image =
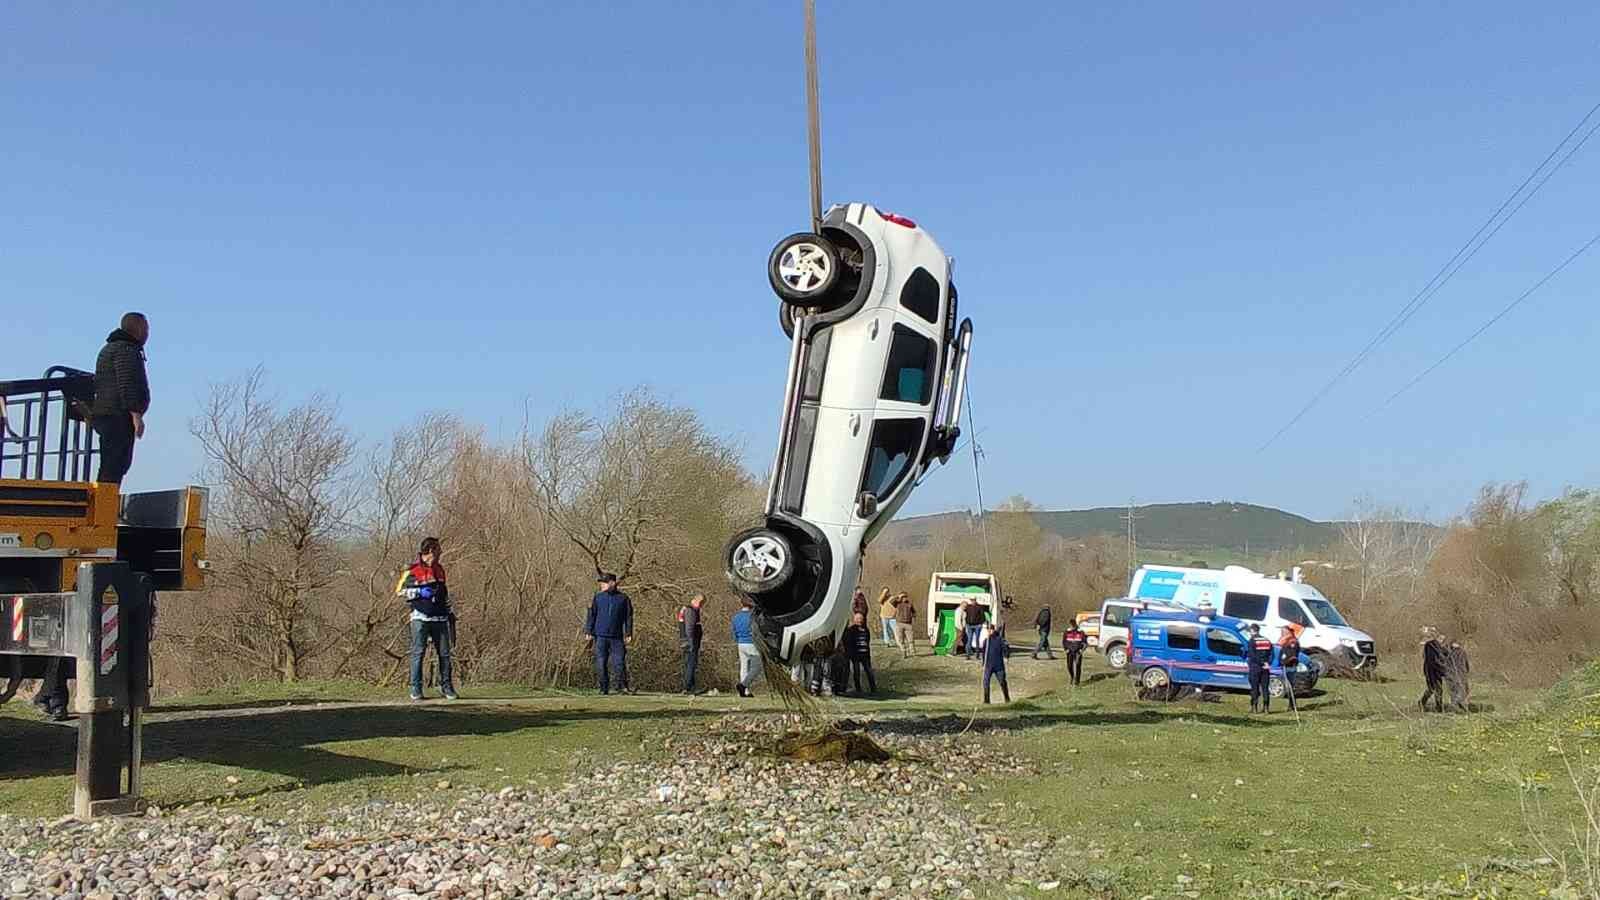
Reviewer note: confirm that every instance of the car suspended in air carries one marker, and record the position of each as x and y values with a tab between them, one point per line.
877	373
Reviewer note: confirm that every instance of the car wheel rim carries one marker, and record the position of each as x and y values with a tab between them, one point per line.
805	267
759	558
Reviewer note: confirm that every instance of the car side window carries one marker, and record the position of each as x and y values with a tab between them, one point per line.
1245	606
1223	643
909	376
921	295
1183	637
890	455
1289	610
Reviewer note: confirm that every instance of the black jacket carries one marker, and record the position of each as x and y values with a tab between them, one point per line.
1432	661
120	384
690	631
857	642
1258	654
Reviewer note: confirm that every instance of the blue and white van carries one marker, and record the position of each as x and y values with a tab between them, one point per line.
1272	603
1168	649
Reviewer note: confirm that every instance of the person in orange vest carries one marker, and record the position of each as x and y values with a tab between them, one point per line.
1258	658
1289	659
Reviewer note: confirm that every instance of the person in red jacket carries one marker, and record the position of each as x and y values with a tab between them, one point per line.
422	585
1073	640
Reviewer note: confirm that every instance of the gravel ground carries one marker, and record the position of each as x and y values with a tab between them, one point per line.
719	816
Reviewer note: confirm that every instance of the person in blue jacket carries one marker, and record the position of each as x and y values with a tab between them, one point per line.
744	638
609	629
994	660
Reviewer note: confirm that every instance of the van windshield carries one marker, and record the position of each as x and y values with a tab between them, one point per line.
1324	611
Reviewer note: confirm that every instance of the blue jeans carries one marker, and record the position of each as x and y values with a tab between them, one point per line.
974	632
610	660
439	632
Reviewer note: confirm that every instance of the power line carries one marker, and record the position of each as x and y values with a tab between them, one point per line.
1459	259
1489	324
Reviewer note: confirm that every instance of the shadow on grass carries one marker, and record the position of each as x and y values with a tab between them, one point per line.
1092	717
285	741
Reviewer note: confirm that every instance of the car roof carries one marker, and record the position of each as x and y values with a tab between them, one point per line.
1193	617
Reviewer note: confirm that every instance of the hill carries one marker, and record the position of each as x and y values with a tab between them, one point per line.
1197	528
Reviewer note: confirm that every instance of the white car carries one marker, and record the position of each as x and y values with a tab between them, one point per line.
877	370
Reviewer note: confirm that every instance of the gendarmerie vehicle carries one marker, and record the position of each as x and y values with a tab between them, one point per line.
877	374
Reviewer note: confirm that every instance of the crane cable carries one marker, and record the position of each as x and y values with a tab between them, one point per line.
813	116
977	479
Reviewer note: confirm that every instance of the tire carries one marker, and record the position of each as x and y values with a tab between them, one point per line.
1155	684
759	560
1117	656
788	316
803	269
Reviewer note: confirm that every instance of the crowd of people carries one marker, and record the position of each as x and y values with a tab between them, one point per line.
846	667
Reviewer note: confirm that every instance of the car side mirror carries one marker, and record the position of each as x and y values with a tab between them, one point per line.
866	505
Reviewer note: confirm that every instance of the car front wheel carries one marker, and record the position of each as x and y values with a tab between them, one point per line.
803	269
759	560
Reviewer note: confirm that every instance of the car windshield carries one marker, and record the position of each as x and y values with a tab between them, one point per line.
1324	611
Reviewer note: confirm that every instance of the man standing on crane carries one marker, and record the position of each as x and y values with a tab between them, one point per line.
121	396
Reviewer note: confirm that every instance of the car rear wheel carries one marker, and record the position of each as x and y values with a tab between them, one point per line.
1117	656
803	269
759	560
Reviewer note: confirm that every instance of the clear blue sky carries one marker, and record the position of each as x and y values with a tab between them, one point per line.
1171	222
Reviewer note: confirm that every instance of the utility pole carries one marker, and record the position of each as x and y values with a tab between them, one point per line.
1133	542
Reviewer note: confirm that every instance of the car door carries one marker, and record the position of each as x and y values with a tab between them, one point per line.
1225	654
1184	648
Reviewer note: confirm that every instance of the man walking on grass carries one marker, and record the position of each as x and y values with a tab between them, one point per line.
1042	622
744	639
1073	640
690	634
994	652
1433	671
609	629
905	615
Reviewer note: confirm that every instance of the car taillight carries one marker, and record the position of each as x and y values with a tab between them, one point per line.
898	220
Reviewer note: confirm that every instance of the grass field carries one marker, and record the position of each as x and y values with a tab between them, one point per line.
1358	795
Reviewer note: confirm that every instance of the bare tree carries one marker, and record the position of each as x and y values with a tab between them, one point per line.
283	494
